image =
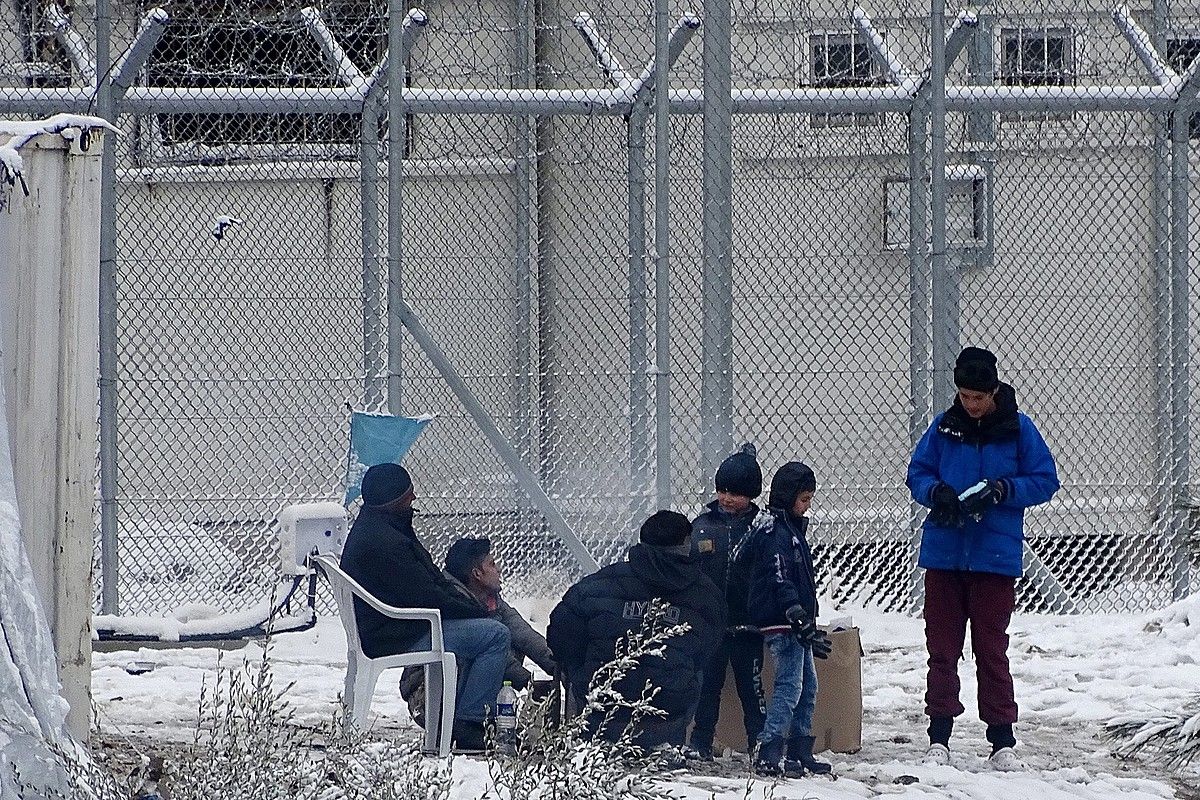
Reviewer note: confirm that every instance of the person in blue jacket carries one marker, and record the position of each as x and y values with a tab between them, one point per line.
978	467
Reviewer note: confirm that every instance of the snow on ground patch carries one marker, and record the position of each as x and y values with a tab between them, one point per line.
1072	675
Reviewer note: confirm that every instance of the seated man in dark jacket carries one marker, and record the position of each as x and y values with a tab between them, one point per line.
472	569
382	553
609	604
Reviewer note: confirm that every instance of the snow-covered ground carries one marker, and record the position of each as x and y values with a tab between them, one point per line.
1072	674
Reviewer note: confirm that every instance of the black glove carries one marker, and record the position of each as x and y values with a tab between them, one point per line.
946	511
979	500
821	646
802	622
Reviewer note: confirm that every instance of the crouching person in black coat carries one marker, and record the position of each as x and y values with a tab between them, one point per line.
611	603
383	554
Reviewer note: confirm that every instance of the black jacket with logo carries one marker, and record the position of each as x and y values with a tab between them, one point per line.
714	534
608	604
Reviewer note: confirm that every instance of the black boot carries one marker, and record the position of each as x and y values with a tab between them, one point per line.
800	749
766	760
1000	737
700	749
940	729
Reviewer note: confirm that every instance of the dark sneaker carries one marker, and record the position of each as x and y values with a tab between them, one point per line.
698	753
793	769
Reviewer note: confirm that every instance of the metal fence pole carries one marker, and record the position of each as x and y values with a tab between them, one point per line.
639	356
920	376
523	257
374	321
716	285
1180	347
662	248
944	280
1160	212
395	203
110	601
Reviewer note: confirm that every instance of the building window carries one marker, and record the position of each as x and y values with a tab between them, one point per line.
842	60
1037	57
966	209
212	44
1180	54
44	61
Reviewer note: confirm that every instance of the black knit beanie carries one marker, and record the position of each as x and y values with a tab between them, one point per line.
666	529
740	474
465	555
975	369
385	483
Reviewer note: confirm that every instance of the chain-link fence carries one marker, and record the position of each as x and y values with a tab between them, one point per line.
859	206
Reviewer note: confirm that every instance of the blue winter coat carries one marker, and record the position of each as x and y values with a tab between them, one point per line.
1016	452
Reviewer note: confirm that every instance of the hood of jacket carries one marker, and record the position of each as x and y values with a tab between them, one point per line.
787	484
665	572
999	426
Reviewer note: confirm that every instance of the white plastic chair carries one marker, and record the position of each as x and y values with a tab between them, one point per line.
362	672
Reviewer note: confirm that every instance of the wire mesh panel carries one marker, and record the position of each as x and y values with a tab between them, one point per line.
284	250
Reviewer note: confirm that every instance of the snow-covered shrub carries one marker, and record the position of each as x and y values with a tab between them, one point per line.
1170	738
558	758
247	743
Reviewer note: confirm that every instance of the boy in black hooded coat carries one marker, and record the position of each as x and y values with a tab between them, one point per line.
783	604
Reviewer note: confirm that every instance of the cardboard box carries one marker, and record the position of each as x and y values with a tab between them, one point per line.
837	722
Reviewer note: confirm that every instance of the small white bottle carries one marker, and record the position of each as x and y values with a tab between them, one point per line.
506	720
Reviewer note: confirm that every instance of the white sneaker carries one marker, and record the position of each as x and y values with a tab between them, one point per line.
1006	760
938	755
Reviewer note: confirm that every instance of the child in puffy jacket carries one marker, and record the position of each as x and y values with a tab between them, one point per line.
783	604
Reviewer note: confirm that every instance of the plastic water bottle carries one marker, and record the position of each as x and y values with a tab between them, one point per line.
506	720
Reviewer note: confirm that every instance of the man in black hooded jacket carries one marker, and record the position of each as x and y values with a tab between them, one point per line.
609	604
383	554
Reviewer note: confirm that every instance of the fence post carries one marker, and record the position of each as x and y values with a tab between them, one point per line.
523	256
639	355
716	268
395	204
110	601
49	275
662	252
944	276
920	375
1180	342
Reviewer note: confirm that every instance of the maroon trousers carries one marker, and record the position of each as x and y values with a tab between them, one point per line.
985	600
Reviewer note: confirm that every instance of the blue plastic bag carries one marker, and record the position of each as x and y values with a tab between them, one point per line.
377	439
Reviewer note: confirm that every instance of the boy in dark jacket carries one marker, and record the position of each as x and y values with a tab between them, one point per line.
609	604
715	533
783	604
383	554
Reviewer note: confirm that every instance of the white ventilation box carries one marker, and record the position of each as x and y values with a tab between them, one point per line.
306	528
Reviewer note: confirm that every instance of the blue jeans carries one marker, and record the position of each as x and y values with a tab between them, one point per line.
790	711
480	647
